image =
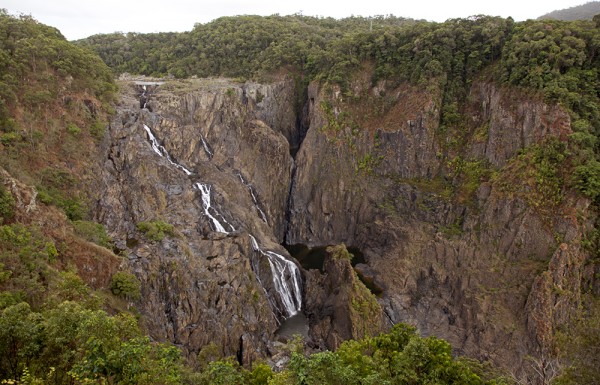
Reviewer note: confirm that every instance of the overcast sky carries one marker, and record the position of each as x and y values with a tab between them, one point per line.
81	18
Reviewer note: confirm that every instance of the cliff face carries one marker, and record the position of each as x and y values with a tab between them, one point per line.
482	269
198	285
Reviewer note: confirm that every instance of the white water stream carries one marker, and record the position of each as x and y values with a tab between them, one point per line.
254	198
206	148
202	187
285	273
206	205
286	279
160	150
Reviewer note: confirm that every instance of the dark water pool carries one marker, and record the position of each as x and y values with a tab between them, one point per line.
297	324
313	258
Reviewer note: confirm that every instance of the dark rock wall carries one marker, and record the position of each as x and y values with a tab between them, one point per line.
198	286
482	272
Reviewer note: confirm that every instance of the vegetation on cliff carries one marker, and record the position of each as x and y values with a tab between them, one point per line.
555	59
400	356
54	99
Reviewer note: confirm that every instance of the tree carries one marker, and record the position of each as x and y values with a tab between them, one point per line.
125	285
21	335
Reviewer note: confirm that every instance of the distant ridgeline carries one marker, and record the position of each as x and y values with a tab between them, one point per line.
585	11
54	99
557	59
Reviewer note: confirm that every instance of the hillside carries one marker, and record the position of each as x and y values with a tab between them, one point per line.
341	179
585	11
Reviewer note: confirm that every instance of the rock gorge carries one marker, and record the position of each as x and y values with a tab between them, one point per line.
488	269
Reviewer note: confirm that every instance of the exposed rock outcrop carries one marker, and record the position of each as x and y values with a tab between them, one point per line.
339	306
480	269
198	286
461	269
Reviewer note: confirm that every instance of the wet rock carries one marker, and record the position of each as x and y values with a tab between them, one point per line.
198	285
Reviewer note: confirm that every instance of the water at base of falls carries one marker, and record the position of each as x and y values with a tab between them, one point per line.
295	325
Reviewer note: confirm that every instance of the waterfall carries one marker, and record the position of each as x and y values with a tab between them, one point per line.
160	150
254	198
202	187
206	148
205	191
144	97
286	279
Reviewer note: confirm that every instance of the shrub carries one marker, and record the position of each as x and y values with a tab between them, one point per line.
587	179
9	138
97	129
73	129
156	230
92	232
7	205
125	285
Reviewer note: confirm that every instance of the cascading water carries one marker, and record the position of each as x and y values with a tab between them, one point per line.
254	198
160	150
144	97
286	280
206	148
285	274
205	191
203	188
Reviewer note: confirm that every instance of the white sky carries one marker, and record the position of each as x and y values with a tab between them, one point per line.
81	18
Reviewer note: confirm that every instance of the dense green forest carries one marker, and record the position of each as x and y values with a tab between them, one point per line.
558	60
55	97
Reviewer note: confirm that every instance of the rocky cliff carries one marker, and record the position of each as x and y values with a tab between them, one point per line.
486	262
480	267
198	285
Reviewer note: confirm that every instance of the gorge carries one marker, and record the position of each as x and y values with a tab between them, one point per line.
473	269
378	186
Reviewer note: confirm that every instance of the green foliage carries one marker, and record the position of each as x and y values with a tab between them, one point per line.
339	252
51	91
57	187
7	205
20	338
72	129
92	232
579	346
368	163
75	344
223	373
156	230
97	128
125	285
260	375
27	253
9	138
561	61
398	357
537	175
587	179
70	287
322	48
